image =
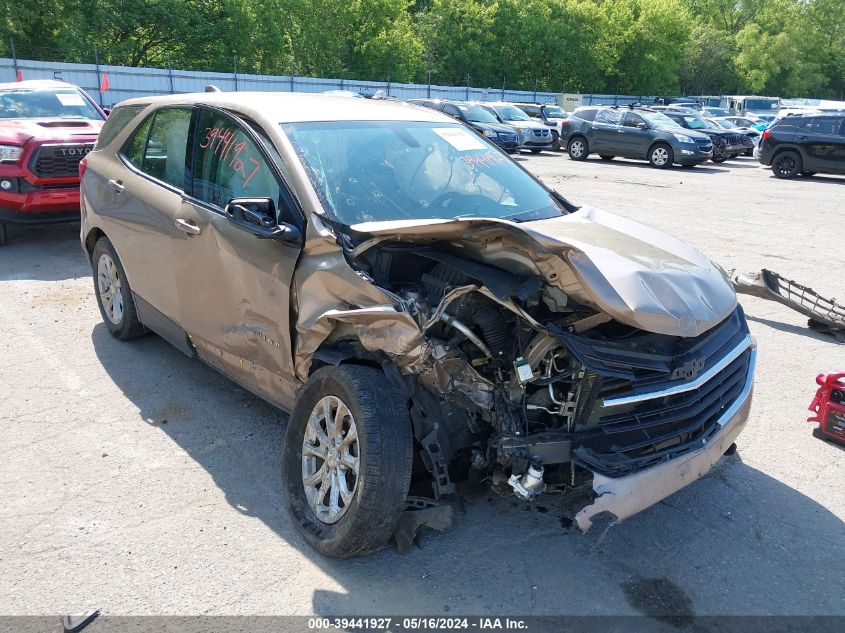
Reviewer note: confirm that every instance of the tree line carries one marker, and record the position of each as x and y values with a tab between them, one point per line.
793	48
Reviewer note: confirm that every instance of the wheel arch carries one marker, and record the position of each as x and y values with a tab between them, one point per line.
655	142
91	240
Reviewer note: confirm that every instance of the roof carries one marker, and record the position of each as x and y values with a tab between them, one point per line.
36	84
287	107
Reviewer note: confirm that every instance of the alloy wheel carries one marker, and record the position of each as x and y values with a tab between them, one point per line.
330	459
576	148
659	156
109	288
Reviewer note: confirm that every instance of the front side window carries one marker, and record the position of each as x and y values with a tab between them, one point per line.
370	171
632	120
167	146
228	164
54	103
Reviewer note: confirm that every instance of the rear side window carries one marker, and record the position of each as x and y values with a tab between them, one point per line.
585	115
117	121
134	151
826	125
607	116
228	164
159	146
794	123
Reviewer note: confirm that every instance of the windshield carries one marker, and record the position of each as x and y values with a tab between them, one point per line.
477	114
511	113
657	120
46	104
554	112
694	122
724	123
761	104
370	171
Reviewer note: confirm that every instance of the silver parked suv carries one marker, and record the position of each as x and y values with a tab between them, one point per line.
426	310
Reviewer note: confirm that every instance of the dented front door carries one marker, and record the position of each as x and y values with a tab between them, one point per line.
235	287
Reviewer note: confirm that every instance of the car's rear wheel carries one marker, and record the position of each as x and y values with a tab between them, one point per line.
555	141
689	165
787	164
114	296
536	151
578	148
661	156
606	156
347	460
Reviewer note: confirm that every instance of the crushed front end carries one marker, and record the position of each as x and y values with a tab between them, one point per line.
519	373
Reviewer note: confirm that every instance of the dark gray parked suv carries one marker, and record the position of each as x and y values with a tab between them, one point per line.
635	133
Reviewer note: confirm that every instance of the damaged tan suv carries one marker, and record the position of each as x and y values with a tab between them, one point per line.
426	310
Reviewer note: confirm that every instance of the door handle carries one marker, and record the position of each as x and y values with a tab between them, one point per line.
116	186
187	227
802	138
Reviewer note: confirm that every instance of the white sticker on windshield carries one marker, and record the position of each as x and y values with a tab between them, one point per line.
462	140
70	99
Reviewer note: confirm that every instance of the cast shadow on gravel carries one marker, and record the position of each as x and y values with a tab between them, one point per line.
718	546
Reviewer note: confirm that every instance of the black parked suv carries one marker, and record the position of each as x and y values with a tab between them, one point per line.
476	118
805	144
635	132
726	144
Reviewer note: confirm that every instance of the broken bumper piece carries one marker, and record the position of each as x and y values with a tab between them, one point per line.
623	497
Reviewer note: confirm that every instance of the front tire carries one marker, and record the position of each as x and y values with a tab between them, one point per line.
555	141
661	156
606	156
787	165
578	148
114	296
347	460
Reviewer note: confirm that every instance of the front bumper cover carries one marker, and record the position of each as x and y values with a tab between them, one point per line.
624	497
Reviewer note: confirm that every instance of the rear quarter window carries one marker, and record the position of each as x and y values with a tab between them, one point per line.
115	123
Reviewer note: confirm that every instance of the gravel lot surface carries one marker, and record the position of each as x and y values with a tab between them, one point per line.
141	482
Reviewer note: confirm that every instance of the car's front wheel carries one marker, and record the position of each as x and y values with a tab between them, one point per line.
114	296
577	148
347	460
661	156
787	165
555	141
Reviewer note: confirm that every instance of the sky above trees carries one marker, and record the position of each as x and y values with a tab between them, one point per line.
791	48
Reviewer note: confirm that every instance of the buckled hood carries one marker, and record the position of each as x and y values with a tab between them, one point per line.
636	274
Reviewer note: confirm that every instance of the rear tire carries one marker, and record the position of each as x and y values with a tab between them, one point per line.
787	164
606	156
536	151
578	148
373	498
114	296
661	156
555	141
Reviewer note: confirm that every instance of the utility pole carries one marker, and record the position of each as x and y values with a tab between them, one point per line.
14	56
170	75
503	88
429	84
467	87
235	66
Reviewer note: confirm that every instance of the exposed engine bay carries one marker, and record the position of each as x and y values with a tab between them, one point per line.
533	390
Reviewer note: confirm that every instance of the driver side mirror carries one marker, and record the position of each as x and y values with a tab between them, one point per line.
642	126
258	216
